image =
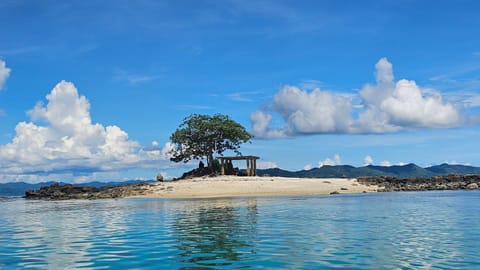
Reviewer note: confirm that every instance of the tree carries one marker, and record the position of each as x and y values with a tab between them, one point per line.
200	136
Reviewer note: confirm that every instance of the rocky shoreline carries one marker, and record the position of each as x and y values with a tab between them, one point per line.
69	191
446	182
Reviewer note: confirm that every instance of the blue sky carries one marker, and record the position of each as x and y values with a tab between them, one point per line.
92	90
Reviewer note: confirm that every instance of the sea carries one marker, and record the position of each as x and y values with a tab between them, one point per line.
405	230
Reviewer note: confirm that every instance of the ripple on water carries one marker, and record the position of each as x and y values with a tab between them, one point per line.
392	231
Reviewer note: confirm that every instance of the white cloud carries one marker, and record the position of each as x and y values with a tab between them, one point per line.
368	160
393	106
4	73
313	112
304	113
384	71
387	106
454	162
260	126
307	167
385	163
62	139
154	151
330	162
266	165
408	106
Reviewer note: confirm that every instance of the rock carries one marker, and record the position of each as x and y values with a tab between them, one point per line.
472	186
68	191
343	188
159	177
334	192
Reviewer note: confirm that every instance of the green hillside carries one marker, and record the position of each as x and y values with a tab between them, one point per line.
346	171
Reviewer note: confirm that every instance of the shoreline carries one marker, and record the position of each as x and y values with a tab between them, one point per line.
256	186
248	186
208	187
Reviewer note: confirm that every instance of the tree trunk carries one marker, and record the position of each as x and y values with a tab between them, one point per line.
210	161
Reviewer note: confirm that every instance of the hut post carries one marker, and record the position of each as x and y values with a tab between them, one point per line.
222	166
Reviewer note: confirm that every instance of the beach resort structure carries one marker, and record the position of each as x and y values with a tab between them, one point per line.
227	167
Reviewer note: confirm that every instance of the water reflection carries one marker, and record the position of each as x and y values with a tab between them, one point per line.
392	231
216	233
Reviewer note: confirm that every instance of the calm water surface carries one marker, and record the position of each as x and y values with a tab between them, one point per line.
364	231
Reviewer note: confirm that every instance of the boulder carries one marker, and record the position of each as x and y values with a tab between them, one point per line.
472	186
159	177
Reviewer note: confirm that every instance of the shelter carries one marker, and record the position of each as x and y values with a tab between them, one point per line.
226	164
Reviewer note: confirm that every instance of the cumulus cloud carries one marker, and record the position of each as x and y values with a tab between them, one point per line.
330	161
266	165
304	113
408	106
307	167
313	112
368	160
386	163
394	106
4	73
61	138
261	126
387	106
154	150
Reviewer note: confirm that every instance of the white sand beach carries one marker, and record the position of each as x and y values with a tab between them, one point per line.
234	186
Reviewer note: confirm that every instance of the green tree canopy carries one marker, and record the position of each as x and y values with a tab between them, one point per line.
203	136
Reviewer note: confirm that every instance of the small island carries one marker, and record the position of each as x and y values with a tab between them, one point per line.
204	137
246	186
209	187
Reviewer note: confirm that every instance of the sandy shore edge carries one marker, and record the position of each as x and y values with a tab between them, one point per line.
234	186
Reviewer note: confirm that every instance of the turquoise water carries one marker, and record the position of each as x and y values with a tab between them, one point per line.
439	230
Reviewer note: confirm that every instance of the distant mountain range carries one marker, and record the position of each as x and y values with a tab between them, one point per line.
409	170
19	188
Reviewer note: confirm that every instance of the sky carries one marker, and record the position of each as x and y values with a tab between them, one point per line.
92	90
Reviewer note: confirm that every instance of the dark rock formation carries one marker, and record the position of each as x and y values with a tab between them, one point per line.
199	172
446	182
69	191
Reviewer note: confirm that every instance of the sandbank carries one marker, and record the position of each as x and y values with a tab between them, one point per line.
235	186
